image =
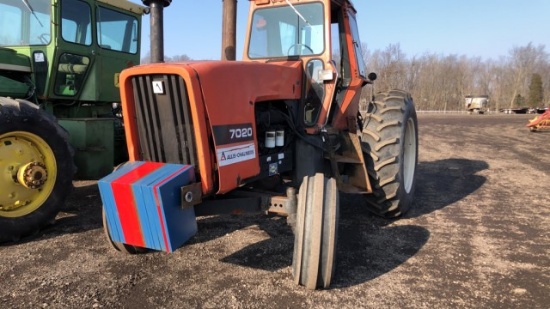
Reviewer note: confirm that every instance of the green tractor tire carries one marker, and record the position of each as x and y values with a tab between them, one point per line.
36	168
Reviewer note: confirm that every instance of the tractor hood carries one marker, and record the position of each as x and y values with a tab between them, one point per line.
230	92
230	89
14	68
11	61
217	96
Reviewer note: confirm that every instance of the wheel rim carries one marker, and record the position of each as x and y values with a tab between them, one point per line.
409	155
28	173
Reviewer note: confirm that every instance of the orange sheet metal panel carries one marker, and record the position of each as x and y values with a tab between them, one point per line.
198	113
222	96
230	90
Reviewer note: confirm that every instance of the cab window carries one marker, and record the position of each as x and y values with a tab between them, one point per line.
287	31
24	22
117	31
76	22
357	46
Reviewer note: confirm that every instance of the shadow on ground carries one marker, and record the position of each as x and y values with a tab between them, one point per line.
80	213
367	252
368	246
443	182
270	254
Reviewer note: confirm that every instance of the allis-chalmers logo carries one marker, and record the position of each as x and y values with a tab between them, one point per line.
158	87
232	155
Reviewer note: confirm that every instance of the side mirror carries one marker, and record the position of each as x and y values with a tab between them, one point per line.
372	76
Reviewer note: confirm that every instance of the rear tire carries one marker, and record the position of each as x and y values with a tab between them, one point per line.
314	257
34	148
390	145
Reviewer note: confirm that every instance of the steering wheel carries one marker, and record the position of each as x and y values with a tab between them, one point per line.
299	44
44	38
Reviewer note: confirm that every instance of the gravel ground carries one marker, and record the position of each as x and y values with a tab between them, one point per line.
476	237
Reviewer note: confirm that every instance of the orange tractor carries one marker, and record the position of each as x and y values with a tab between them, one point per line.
279	132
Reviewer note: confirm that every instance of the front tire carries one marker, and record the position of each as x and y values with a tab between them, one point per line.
36	168
390	145
124	248
314	258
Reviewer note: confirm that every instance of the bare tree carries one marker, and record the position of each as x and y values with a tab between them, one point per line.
440	82
178	58
523	62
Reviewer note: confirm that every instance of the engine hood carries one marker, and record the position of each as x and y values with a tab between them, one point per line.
221	95
14	68
12	61
231	88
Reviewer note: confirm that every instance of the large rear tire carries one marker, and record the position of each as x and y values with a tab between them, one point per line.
390	145
36	168
314	257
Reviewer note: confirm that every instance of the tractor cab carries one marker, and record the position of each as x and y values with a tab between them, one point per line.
60	58
324	36
66	51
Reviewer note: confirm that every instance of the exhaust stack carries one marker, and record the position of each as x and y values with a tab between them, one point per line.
157	28
229	30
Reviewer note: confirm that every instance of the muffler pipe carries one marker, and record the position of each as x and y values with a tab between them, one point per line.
157	28
229	30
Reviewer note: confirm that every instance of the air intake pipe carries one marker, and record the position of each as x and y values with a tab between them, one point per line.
157	28
229	29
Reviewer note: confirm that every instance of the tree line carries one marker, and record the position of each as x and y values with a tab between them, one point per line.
441	82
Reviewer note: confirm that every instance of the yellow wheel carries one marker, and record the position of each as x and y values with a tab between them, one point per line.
29	173
36	168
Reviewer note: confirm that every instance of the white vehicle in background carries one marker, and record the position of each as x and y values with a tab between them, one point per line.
476	104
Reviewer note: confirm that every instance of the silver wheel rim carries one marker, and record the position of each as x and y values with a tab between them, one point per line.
409	155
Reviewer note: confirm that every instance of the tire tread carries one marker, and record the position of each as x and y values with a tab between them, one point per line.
382	143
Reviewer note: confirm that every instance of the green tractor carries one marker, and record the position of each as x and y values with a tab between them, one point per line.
59	118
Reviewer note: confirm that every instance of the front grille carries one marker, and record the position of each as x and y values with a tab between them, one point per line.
164	122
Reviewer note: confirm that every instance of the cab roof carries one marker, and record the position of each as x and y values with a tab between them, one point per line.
126	5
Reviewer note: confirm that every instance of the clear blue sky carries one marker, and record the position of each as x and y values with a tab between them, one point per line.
475	28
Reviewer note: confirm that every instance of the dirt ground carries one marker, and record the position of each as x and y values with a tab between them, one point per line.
478	236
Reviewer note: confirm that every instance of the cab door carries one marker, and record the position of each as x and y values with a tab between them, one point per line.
74	52
351	68
118	48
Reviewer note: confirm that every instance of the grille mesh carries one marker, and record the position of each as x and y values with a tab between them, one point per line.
164	122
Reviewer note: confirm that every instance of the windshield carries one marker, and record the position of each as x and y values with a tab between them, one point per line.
287	31
24	22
